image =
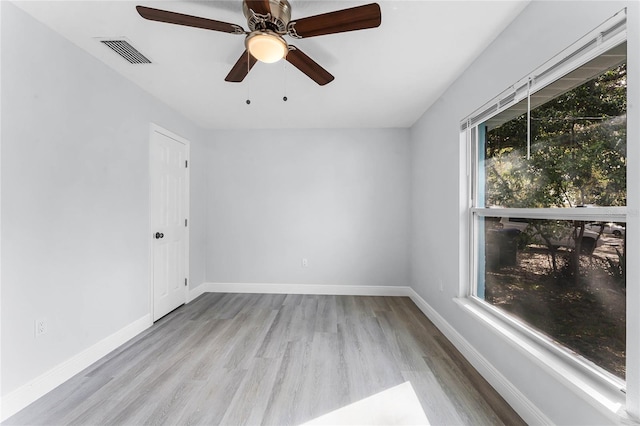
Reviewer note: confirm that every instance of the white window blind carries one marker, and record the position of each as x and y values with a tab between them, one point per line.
604	48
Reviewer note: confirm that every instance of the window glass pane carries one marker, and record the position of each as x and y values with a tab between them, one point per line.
577	146
564	278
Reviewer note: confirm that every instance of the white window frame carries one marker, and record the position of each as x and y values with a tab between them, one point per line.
614	397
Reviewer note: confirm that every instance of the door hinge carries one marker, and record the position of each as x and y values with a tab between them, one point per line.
185	281
186	163
185	222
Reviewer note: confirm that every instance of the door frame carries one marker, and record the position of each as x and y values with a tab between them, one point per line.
154	128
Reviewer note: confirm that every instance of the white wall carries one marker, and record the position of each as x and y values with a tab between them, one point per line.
339	198
540	32
74	198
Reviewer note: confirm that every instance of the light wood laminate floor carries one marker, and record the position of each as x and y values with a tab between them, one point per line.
237	359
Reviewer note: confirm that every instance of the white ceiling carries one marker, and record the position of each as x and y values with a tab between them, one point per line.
384	77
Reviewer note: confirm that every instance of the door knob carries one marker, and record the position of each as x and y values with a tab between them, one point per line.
159	235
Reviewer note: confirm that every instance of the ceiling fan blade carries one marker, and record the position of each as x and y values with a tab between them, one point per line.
241	68
259	6
298	59
188	20
340	21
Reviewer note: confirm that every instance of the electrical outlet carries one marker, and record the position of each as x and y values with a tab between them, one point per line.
441	285
305	262
41	326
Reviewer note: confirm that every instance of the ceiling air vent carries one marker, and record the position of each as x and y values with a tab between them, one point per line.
127	51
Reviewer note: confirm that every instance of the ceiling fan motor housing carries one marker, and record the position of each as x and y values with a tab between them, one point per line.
276	21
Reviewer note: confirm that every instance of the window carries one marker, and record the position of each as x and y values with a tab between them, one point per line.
548	196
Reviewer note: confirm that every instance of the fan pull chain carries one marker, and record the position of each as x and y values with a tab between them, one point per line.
248	80
284	73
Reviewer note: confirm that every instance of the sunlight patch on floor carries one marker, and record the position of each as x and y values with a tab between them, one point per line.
398	405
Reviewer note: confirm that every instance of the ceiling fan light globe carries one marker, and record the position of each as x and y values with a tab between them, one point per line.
266	46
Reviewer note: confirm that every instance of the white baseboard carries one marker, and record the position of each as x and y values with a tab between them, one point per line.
194	293
529	412
31	391
328	289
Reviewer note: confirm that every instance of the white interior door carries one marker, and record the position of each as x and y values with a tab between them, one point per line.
169	211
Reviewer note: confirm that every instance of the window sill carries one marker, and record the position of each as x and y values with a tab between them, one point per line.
596	388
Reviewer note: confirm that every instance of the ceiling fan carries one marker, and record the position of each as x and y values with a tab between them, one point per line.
268	22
